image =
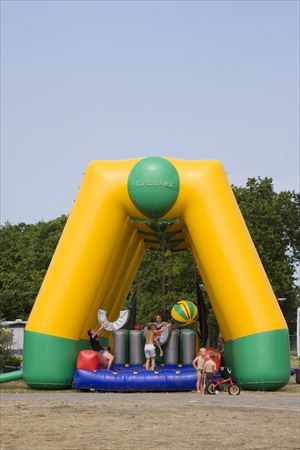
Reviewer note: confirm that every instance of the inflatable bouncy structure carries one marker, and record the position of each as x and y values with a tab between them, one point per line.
124	207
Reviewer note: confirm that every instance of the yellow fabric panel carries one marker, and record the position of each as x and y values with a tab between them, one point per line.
120	289
80	259
127	282
216	306
115	261
178	317
116	286
112	279
236	280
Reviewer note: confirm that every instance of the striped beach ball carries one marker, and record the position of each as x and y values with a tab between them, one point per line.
184	312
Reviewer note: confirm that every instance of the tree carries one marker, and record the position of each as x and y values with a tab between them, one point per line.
25	254
273	220
163	278
5	343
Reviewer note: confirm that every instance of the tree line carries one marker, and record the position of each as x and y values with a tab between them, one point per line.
273	220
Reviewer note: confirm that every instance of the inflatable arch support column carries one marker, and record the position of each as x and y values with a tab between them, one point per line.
115	199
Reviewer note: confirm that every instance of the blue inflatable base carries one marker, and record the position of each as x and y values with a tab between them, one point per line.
137	379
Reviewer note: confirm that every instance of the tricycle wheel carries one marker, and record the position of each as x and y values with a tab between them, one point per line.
234	389
211	388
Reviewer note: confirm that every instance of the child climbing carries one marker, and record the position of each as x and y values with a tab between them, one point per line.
94	336
159	325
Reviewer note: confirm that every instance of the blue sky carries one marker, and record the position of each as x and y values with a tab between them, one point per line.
114	80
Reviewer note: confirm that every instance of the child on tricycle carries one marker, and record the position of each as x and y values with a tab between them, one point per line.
222	379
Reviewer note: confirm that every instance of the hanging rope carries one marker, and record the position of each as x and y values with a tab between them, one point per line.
202	316
202	311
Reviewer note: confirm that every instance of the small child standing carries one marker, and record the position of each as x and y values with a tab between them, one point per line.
209	368
198	364
149	348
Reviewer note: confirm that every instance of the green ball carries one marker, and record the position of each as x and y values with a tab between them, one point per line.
184	312
153	186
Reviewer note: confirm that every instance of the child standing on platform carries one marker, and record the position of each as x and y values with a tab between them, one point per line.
149	348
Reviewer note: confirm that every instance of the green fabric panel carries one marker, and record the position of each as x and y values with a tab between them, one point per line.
260	361
49	361
104	341
181	311
84	344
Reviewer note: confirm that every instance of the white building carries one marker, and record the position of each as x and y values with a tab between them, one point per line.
17	329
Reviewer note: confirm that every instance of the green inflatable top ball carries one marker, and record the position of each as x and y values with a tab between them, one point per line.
153	186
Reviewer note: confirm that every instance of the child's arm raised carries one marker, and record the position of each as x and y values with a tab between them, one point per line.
99	331
162	329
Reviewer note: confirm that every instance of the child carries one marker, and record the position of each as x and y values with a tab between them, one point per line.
109	357
159	324
94	336
198	364
209	368
149	348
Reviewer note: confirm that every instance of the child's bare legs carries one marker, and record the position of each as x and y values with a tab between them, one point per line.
159	346
109	357
198	384
147	363
152	363
202	383
110	361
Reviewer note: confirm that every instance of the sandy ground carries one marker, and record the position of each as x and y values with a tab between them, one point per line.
73	420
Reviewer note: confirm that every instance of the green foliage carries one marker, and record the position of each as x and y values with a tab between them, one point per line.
25	254
6	356
13	360
162	280
273	220
5	342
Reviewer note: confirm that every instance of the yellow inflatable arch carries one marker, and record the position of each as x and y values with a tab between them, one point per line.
120	207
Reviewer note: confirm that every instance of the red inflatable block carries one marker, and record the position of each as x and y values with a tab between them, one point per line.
91	360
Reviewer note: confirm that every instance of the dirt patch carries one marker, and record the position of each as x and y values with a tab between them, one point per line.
73	421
